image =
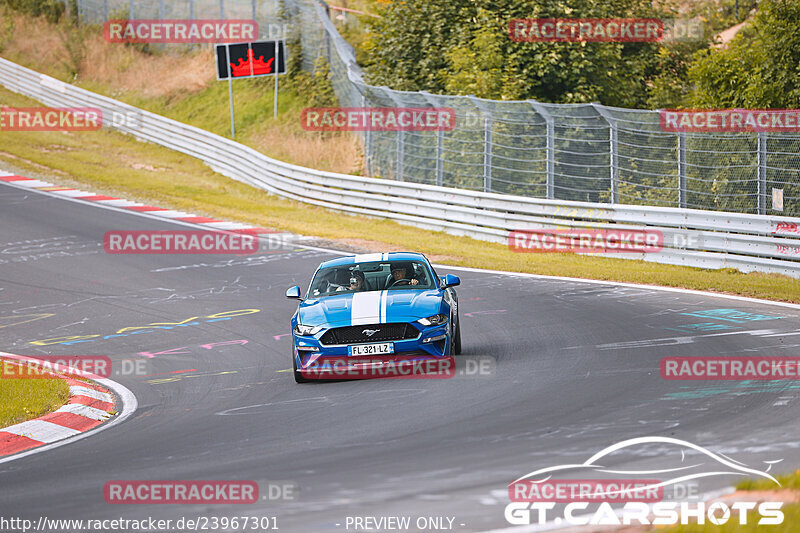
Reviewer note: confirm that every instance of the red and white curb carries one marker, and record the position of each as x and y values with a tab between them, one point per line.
88	407
120	203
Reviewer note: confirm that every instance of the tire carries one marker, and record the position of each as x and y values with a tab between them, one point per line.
457	338
298	377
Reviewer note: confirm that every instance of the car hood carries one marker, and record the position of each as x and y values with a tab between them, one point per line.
373	307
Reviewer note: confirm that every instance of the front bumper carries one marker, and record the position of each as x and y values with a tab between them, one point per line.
422	357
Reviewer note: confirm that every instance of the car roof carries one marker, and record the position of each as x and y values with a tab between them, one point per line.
367	258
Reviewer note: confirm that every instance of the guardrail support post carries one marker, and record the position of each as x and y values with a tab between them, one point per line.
105	9
191	9
762	173
682	170
130	10
487	154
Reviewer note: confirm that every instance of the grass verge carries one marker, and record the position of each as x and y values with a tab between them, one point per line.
24	399
757	490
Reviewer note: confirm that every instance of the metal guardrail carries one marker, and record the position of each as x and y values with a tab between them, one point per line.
708	239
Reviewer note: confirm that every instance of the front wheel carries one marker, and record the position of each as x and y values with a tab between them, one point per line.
457	338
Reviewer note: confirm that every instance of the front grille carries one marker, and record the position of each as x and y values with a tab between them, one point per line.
397	331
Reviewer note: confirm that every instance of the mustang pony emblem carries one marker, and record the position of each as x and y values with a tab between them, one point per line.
370	332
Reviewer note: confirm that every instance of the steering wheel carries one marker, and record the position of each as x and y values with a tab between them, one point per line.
406	281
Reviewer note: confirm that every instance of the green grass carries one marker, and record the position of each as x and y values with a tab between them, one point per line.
24	399
787	481
112	163
791	518
791	511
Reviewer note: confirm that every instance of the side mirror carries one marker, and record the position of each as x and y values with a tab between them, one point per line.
293	293
451	281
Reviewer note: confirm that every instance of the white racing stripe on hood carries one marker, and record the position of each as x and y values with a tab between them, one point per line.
366	308
368	258
384	297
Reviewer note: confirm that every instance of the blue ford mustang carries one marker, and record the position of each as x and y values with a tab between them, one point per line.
366	311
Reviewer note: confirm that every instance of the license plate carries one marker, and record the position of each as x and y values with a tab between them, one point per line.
372	349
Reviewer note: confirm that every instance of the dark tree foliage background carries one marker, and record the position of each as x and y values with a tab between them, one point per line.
463	47
761	66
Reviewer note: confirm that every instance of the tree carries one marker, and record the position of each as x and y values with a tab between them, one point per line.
463	47
761	66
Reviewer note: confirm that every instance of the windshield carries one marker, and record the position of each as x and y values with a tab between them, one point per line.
372	276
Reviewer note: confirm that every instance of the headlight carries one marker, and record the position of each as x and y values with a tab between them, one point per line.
304	331
434	320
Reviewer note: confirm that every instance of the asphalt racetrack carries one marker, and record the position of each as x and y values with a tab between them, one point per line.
577	369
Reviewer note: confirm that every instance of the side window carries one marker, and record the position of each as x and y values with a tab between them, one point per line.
437	279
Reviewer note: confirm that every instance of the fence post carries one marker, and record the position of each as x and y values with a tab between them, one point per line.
191	9
439	163
221	9
682	170
367	141
551	147
130	10
161	9
487	154
614	170
105	9
613	151
487	141
762	173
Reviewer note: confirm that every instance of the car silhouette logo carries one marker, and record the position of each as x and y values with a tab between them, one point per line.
690	462
370	332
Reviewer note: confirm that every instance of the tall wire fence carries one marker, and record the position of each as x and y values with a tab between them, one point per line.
581	152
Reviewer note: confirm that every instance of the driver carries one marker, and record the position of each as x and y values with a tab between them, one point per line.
400	273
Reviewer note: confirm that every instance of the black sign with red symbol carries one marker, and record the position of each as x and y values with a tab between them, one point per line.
248	60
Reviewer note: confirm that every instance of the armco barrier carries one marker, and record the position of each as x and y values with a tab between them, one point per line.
707	239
